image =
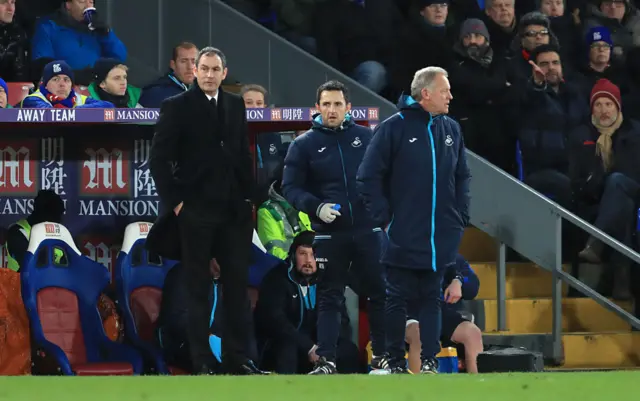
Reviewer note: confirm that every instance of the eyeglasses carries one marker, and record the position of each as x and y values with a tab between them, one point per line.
600	46
533	34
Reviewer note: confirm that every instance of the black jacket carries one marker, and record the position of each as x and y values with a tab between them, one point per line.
13	53
201	157
287	311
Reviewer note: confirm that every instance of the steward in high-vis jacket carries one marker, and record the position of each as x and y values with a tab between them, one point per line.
414	181
286	315
320	174
278	223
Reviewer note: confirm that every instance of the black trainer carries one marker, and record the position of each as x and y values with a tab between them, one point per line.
429	366
380	362
324	367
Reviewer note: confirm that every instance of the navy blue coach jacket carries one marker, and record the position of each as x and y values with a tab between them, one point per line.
414	178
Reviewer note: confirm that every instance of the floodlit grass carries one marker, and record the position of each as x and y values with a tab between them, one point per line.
582	386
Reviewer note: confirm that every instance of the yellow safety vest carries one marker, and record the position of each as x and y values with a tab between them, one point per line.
24	225
80	99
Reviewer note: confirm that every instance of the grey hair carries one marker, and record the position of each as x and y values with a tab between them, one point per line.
212	51
424	79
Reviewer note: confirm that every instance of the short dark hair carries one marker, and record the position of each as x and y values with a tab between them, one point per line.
253	88
331	86
544	49
212	51
182	45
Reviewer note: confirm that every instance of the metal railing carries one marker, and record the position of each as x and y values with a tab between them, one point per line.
531	224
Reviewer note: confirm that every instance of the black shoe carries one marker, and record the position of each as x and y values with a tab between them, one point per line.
324	367
380	362
400	370
247	368
429	366
398	366
204	370
592	252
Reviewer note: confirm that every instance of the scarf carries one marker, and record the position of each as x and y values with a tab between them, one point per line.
604	145
58	102
121	102
481	54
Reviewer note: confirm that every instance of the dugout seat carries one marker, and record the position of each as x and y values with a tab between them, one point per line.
18	91
139	279
61	299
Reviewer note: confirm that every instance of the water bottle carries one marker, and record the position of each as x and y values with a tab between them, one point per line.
448	360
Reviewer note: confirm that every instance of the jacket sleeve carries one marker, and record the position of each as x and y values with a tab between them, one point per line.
373	174
470	281
34	102
163	154
17	244
245	164
92	103
112	47
270	234
463	177
294	181
41	46
271	316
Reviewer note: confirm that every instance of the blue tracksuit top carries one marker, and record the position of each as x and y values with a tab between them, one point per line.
414	177
470	281
320	167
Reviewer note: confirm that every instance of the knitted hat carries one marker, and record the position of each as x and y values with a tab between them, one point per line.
55	68
533	18
305	238
426	3
102	67
606	88
599	34
474	25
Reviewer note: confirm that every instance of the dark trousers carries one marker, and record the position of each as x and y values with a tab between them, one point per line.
202	237
336	255
286	358
422	288
617	209
552	184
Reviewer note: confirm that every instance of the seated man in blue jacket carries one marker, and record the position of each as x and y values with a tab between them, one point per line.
171	332
77	34
286	315
460	282
56	91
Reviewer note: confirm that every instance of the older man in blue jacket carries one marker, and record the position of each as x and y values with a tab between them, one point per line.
414	181
320	175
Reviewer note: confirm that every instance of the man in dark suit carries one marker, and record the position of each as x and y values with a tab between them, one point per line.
202	167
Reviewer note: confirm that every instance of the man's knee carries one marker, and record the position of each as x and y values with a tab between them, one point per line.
468	334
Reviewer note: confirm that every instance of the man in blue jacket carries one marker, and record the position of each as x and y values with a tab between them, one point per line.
414	181
320	179
460	282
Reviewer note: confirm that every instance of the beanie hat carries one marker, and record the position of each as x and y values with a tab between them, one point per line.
533	18
606	88
55	68
426	3
474	25
304	238
550	48
599	34
102	67
5	87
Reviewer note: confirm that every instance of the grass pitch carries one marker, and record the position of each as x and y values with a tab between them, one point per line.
582	386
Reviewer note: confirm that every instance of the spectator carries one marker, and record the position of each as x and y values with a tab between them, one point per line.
177	80
479	85
604	167
533	31
56	91
599	63
4	95
110	84
171	331
623	21
566	27
48	206
356	37
254	96
501	23
278	222
551	107
286	315
13	45
76	34
460	283
429	39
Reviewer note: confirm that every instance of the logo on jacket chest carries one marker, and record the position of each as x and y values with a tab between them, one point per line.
272	149
356	142
448	141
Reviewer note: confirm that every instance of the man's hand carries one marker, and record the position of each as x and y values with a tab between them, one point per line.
178	209
313	357
539	77
327	213
453	293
